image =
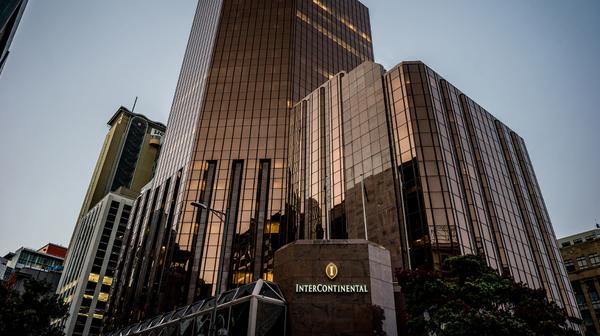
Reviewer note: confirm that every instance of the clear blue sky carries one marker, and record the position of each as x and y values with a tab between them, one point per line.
533	64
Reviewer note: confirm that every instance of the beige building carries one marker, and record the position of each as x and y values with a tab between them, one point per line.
125	165
127	158
90	265
580	253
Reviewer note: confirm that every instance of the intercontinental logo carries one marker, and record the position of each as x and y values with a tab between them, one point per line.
331	271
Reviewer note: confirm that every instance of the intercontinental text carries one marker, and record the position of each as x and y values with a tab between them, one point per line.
330	288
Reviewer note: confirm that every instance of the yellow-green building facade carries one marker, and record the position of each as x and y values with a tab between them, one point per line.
127	158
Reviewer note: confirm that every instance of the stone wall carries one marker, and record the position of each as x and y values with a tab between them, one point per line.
358	262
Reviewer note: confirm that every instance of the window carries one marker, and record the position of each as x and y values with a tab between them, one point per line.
569	265
565	244
587	318
591	289
581	262
93	277
103	297
578	293
577	241
594	259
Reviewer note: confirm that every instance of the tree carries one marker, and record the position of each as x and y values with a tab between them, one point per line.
30	313
469	298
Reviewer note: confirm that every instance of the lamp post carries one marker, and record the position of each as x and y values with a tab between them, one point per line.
224	217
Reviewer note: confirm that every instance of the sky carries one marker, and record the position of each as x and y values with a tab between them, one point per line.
533	64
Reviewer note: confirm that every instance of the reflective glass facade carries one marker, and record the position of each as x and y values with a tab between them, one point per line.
246	65
11	12
436	174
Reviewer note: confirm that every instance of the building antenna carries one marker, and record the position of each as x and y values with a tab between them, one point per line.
134	102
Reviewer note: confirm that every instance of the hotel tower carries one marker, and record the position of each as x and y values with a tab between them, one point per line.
404	158
246	64
282	120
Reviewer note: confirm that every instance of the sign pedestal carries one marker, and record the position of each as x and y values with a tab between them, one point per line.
336	287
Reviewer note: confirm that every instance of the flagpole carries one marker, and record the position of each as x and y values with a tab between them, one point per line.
362	184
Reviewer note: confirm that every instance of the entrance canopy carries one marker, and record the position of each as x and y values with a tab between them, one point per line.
257	308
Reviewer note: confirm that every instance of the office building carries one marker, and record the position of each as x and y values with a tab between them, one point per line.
127	158
246	64
26	263
400	157
581	255
126	164
11	12
405	159
90	264
29	258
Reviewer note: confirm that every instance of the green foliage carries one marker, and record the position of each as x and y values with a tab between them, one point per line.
378	319
30	313
470	298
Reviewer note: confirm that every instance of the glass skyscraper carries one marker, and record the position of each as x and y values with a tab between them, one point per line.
246	64
11	12
271	122
425	170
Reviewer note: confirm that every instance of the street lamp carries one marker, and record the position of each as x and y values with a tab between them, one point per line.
224	217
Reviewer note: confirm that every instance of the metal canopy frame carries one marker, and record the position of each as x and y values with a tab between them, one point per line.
255	292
